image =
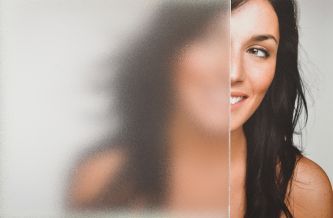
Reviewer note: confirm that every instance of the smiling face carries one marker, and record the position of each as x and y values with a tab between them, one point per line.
254	45
200	79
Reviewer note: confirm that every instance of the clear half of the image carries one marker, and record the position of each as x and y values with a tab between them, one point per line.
129	111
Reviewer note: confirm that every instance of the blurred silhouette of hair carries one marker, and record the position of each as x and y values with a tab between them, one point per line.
143	98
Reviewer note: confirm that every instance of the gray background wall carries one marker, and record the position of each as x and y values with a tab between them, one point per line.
316	35
48	58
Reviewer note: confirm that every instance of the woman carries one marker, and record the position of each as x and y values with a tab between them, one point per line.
171	148
267	98
269	176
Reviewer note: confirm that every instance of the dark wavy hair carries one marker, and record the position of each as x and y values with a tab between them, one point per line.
143	99
271	152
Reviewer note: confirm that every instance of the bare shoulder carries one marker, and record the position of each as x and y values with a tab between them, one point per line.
91	175
311	191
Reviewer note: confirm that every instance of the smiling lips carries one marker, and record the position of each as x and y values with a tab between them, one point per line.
236	98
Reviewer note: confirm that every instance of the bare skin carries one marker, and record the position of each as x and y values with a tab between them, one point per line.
311	194
199	166
91	177
195	126
252	70
237	174
311	191
197	133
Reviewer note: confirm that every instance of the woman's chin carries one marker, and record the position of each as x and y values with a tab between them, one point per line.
235	125
215	128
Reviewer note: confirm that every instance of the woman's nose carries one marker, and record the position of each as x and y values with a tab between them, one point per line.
237	73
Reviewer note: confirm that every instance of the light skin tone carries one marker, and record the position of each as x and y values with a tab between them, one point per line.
254	45
197	131
196	125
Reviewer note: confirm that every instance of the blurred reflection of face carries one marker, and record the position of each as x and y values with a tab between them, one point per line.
201	80
254	44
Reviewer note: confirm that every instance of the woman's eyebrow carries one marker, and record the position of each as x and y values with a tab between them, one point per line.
263	37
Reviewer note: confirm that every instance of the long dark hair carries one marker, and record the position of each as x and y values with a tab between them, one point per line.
271	152
143	98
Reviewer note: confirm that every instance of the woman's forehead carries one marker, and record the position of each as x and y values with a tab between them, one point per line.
255	17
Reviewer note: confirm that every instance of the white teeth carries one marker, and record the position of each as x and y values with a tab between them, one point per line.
234	100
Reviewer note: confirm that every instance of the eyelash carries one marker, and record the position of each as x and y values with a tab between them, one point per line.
255	50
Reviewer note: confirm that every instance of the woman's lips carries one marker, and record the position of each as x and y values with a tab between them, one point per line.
237	98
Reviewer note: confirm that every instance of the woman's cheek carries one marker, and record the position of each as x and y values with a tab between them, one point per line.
197	79
260	76
189	81
261	82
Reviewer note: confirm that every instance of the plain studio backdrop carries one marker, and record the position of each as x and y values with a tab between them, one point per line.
316	33
50	56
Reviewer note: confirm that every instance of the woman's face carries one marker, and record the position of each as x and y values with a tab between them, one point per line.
200	79
254	45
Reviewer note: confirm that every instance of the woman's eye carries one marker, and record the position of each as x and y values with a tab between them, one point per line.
261	53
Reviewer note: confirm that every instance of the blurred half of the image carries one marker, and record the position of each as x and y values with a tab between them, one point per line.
114	108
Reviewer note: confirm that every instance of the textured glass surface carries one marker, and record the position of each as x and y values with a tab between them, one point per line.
114	108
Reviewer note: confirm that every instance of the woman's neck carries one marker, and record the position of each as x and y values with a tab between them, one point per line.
238	146
237	172
198	173
185	139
